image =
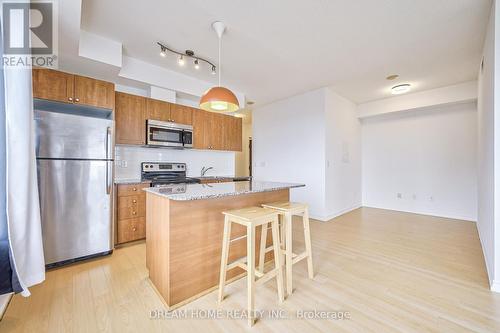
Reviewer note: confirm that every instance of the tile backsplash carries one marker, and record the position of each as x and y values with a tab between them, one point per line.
128	160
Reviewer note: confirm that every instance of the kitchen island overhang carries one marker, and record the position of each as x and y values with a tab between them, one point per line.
184	234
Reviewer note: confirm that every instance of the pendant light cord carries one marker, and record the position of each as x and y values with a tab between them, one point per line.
220	65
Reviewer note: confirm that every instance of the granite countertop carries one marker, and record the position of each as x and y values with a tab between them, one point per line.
128	181
218	190
138	180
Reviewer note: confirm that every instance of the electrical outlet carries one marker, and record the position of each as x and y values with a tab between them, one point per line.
124	164
431	199
399	195
414	196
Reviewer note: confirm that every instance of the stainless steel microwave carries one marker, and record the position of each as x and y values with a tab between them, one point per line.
167	134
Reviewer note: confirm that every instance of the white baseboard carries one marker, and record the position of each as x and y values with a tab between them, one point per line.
495	286
4	302
326	218
446	216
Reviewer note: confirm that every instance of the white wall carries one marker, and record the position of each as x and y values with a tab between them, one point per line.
128	160
289	146
488	225
343	156
429	157
313	138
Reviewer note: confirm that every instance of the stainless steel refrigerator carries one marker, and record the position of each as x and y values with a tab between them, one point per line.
75	177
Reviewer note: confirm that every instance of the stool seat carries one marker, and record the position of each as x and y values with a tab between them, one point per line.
252	215
286	206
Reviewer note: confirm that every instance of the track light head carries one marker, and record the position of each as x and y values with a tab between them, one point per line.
163	51
196	64
181	61
214	70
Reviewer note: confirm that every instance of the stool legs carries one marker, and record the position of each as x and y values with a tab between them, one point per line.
263	241
277	259
288	252
225	254
251	273
307	236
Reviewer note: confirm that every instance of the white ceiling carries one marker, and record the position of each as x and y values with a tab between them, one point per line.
276	49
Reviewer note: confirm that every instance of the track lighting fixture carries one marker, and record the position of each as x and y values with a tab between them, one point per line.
189	54
181	61
163	51
213	70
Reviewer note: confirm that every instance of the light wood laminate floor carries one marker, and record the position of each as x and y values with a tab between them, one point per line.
392	271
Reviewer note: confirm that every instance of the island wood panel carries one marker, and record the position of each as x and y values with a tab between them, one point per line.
157	243
158	110
94	92
184	238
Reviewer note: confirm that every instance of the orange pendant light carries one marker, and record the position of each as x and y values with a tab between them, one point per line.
219	99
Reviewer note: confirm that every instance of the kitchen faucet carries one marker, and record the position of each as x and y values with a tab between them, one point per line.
204	170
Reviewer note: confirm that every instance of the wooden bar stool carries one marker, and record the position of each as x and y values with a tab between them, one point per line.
251	218
286	211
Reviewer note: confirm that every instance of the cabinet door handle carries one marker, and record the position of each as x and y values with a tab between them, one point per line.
77	100
134	229
134	201
134	213
134	189
70	99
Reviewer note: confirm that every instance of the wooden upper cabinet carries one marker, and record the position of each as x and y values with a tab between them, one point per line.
53	85
69	88
233	133
182	114
201	129
130	119
94	92
217	130
158	110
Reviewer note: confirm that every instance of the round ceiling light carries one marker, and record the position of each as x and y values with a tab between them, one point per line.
400	89
219	99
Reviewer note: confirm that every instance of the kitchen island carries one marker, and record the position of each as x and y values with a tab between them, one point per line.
184	231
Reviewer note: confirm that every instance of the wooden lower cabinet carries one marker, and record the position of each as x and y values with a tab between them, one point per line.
130	212
131	229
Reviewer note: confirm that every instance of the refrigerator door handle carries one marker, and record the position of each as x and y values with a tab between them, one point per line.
108	143
109	173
